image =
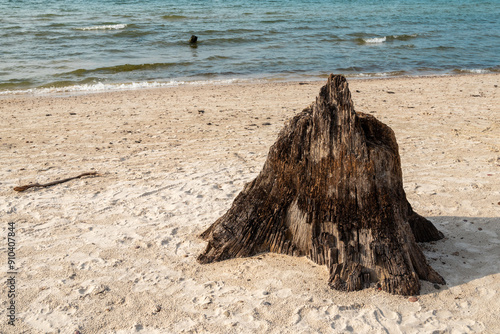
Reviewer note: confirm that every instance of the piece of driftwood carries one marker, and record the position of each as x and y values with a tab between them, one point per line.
332	190
193	39
34	185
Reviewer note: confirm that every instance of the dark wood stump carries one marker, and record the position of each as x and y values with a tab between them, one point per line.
332	190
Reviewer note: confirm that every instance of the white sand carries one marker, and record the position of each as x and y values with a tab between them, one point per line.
117	253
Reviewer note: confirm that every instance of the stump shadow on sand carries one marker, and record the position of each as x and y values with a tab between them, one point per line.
469	251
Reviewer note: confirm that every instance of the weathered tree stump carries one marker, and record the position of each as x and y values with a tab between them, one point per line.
332	190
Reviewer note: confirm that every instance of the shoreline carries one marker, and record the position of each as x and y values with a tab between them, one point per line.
144	85
116	253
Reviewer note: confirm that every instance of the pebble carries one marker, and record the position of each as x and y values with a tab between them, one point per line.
437	286
206	300
413	299
100	289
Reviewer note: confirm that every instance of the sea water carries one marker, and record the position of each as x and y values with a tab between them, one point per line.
106	44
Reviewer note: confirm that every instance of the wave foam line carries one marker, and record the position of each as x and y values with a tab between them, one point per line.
101	87
474	71
375	40
391	38
105	27
380	74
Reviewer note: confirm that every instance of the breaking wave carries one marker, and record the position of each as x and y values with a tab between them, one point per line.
375	40
389	38
105	27
103	87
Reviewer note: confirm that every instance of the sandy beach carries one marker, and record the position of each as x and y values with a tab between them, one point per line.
116	253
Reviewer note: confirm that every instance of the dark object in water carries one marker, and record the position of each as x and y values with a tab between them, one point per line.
193	39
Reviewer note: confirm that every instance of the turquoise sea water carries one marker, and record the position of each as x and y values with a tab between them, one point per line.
95	44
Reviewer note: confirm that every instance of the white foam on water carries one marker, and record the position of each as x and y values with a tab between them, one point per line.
476	70
375	40
105	27
102	87
376	75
